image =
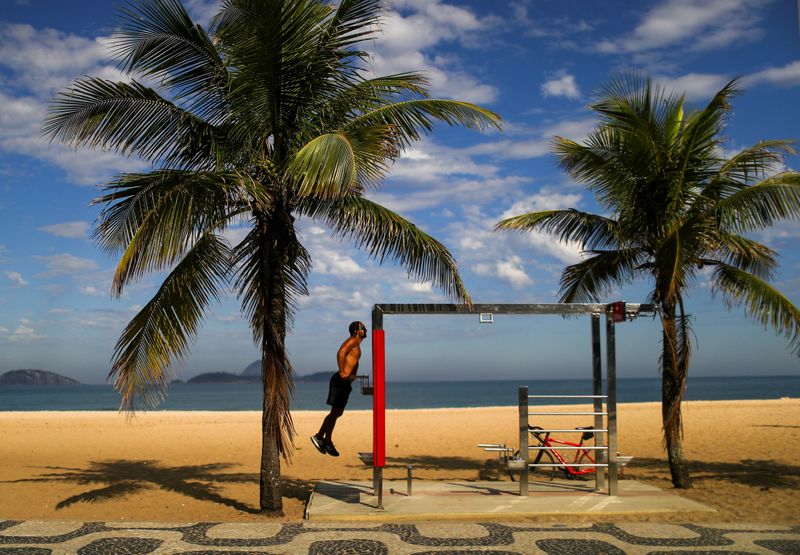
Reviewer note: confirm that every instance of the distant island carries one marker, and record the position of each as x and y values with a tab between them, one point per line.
35	377
223	377
254	370
251	374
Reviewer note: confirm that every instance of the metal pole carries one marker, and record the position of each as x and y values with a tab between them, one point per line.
597	383
409	470
378	404
523	440
611	377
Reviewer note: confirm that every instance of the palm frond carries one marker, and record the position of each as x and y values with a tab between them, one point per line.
162	331
158	39
590	230
385	234
592	279
753	163
765	304
342	163
129	118
362	95
155	218
412	118
761	205
748	255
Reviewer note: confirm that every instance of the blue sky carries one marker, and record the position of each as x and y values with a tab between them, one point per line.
534	62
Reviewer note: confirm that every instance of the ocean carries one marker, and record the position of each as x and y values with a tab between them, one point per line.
399	395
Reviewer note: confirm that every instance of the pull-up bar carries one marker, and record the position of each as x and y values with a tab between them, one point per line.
614	312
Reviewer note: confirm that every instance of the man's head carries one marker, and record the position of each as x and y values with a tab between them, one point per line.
356	327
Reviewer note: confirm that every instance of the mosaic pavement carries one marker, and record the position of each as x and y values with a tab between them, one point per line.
96	538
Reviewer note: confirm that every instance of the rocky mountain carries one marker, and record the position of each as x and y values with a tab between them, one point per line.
35	377
223	377
254	370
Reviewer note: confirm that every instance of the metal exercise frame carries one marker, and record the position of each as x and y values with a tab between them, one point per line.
614	312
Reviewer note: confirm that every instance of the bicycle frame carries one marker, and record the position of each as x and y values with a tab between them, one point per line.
582	456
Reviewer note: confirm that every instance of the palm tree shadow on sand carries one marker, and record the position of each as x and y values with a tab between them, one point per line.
120	478
764	474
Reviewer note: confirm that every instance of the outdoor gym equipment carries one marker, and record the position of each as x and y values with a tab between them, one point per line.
613	312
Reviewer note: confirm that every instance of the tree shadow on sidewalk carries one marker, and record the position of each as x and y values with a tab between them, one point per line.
754	473
120	478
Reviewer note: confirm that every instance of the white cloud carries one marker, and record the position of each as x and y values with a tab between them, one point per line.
336	263
91	291
59	311
65	265
44	60
538	146
41	62
70	230
696	86
563	85
542	200
16	278
23	333
510	269
704	25
540	241
329	256
553	28
413	26
787	76
429	162
465	191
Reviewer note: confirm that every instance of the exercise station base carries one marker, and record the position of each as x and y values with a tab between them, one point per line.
446	500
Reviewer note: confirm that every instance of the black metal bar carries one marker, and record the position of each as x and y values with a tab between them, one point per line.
539	308
523	440
611	405
597	388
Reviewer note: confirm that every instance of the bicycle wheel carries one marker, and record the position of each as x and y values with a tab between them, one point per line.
543	457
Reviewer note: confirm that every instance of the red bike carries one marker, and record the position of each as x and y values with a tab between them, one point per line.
550	457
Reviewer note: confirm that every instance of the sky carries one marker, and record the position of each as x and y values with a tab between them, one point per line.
537	63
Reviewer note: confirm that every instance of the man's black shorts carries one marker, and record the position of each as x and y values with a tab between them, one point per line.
339	391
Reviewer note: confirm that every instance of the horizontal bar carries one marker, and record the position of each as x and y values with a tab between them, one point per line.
491	445
567	396
566	413
563	465
552	308
571	430
570	448
502	449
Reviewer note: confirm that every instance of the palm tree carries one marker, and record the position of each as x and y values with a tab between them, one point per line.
266	117
676	207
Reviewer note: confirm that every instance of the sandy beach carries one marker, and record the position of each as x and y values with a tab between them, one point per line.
193	466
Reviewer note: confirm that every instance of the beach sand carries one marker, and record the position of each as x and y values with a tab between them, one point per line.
203	466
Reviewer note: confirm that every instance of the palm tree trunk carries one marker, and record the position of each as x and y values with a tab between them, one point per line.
270	497
276	426
673	382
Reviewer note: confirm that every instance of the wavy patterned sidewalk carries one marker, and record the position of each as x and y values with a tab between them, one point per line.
96	538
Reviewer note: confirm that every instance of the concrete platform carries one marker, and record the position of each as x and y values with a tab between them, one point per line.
351	500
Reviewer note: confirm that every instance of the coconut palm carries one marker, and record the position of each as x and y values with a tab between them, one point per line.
676	208
266	117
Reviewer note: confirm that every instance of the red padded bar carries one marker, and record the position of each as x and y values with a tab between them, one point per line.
378	399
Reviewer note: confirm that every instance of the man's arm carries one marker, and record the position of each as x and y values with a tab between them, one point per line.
345	365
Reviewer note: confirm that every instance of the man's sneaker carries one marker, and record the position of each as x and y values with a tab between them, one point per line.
319	443
331	450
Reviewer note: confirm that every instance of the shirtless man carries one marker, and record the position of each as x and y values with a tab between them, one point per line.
340	387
